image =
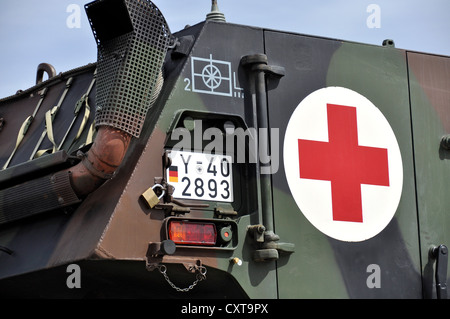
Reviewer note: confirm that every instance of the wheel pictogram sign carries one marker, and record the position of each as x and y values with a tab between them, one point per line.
211	76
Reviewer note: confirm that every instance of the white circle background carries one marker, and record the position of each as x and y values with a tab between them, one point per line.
313	197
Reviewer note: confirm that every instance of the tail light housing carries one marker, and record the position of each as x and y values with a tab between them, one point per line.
207	233
192	233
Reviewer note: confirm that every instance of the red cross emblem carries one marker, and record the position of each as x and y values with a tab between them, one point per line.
344	162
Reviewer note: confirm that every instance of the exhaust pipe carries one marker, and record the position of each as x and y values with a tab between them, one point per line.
100	162
132	39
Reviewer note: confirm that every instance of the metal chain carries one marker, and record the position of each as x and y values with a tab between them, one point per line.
199	277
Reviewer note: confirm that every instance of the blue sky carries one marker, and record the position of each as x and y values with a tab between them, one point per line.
33	31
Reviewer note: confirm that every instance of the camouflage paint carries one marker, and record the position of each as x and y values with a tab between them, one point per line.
331	268
429	78
109	232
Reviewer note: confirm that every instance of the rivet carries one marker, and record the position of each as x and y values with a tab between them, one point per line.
236	261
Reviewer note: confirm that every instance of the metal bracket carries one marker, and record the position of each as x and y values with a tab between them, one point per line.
182	46
268	247
44	67
166	247
440	253
257	232
201	275
191	264
223	212
445	142
172	205
259	62
159	254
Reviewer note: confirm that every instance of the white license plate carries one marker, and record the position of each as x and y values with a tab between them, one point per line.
201	176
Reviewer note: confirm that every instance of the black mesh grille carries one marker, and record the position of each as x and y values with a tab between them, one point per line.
129	62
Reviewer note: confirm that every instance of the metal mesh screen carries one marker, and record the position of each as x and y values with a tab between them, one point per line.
129	62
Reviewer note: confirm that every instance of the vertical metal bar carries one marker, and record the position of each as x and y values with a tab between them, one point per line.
259	69
264	234
264	148
440	253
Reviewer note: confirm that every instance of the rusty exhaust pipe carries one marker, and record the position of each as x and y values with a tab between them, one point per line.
129	34
101	162
137	32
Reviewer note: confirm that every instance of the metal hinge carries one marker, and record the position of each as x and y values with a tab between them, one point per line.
440	253
268	245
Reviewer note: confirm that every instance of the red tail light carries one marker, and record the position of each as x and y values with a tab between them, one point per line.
193	233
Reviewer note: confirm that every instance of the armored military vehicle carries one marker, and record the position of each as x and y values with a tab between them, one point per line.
226	161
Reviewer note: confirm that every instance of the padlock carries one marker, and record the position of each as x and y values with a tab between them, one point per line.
150	196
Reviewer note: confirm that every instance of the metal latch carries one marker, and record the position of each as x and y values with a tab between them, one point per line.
440	253
268	244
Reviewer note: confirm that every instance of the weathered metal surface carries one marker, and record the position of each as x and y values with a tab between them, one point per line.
116	238
429	78
336	268
101	161
35	168
37	196
20	106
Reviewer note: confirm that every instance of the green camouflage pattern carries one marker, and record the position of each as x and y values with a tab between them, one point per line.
109	234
